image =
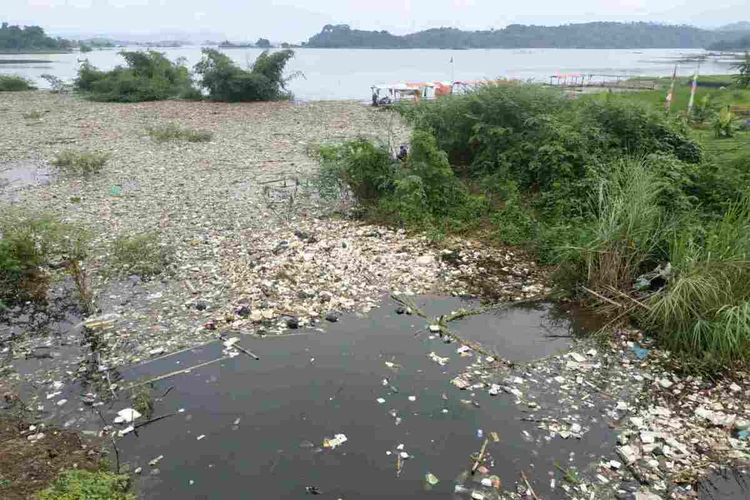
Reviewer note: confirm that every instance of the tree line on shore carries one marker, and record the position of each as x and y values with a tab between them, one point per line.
594	35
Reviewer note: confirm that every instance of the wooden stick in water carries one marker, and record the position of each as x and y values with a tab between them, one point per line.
481	456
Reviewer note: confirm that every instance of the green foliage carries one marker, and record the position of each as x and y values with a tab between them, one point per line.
552	148
81	162
420	192
142	254
85	485
147	76
11	83
29	38
174	132
742	79
223	80
724	123
84	47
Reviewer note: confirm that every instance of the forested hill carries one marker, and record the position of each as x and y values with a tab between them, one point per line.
598	35
29	38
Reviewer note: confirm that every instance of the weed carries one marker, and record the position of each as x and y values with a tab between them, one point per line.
142	399
11	83
33	115
81	484
174	132
81	162
724	123
141	254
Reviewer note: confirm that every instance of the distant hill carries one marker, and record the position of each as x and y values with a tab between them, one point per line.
598	35
738	26
29	39
732	44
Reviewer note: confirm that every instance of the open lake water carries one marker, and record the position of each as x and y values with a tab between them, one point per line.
349	73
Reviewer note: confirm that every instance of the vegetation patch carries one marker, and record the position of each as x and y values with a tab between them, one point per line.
142	254
12	83
81	484
223	80
174	132
146	76
642	212
81	162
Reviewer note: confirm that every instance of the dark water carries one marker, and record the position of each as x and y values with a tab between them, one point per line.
308	387
725	485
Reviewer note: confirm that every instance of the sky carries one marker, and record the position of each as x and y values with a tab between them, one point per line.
297	20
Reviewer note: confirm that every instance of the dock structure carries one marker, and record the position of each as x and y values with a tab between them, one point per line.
592	80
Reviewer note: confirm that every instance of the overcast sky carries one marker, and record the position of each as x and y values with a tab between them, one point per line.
297	20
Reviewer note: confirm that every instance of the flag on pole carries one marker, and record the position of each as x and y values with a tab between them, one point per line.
692	90
670	94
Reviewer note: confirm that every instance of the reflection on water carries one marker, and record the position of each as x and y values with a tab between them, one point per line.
349	73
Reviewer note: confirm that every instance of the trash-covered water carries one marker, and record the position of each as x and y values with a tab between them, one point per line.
246	428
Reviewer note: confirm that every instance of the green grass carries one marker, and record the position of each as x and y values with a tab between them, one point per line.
81	162
85	485
141	254
174	132
11	83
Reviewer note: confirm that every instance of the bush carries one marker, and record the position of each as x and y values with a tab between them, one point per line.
223	80
173	132
147	76
85	485
10	83
81	162
141	254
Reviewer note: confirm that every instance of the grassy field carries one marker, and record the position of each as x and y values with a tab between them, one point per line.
719	149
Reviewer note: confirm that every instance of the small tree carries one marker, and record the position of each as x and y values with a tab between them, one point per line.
263	43
742	79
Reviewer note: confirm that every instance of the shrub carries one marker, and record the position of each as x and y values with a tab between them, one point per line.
223	80
81	162
141	254
724	123
173	132
81	484
10	83
147	76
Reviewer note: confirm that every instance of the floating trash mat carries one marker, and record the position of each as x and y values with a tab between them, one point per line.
365	410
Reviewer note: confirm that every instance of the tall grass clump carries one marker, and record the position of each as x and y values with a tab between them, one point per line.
29	242
704	308
146	76
625	228
174	132
142	254
223	80
12	83
81	162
